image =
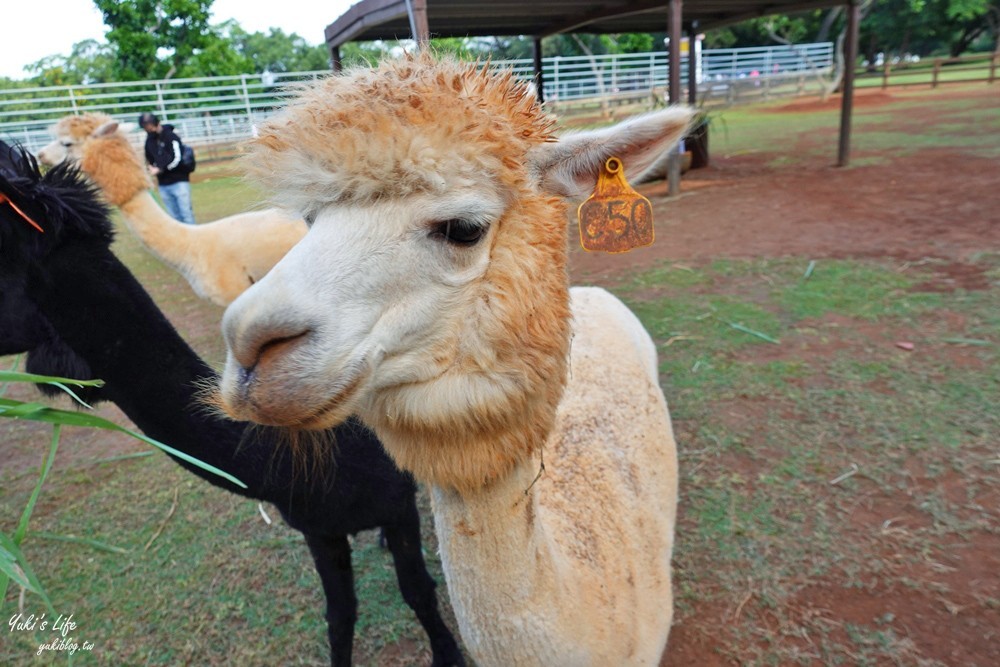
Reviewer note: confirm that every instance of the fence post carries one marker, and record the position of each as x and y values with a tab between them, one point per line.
555	77
246	98
993	65
72	100
614	73
885	74
937	70
159	101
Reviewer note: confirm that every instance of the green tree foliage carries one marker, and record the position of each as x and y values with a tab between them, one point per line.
585	45
150	39
277	51
155	39
89	61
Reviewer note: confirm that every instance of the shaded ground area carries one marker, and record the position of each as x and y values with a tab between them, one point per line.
840	492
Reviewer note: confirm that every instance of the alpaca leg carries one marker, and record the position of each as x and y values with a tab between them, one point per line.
332	555
417	587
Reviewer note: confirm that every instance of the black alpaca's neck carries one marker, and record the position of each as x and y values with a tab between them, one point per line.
102	313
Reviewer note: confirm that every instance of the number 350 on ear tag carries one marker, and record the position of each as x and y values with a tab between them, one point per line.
615	218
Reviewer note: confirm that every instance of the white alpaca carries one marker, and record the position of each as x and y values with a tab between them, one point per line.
219	259
431	298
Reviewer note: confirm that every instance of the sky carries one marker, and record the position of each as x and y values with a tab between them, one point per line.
52	26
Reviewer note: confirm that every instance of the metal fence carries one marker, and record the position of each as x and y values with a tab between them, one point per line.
224	109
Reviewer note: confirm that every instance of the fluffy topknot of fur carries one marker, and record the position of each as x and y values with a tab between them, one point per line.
61	201
419	124
80	127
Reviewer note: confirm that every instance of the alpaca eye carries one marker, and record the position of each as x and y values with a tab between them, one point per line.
458	232
67	144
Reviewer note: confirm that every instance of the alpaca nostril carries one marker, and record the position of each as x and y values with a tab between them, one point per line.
272	349
246	375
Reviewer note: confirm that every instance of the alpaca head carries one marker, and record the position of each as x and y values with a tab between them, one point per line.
68	210
68	136
430	295
100	146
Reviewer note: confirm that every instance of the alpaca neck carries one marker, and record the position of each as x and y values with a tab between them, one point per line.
103	314
499	529
169	239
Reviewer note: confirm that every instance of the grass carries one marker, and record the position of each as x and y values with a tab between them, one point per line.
791	137
923	75
763	427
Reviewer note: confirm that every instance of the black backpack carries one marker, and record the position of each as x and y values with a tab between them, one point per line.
187	158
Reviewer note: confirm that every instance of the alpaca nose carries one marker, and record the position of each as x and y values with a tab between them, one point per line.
46	157
258	341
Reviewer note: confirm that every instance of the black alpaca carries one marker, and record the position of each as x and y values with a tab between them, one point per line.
68	301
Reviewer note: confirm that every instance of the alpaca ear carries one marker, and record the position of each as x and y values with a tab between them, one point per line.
106	130
569	167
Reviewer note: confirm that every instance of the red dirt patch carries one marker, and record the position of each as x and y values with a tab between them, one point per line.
402	654
953	276
862	98
952	614
907	209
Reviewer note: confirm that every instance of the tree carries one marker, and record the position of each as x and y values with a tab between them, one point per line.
277	51
89	61
927	27
154	39
219	57
577	44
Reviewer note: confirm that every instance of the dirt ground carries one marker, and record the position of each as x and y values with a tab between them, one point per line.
931	203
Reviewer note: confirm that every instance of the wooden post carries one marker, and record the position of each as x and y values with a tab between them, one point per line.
993	64
697	139
885	74
539	74
692	64
335	61
417	9
937	70
847	99
675	11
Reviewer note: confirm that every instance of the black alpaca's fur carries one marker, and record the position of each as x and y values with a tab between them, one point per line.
68	301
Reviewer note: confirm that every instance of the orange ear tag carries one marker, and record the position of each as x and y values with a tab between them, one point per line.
615	218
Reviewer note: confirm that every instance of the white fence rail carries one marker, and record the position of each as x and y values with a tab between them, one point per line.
224	109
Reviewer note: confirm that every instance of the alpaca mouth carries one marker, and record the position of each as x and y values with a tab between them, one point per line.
336	409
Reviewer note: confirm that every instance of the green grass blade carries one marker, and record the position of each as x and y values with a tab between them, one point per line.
61	383
6	383
22	525
121	457
68	418
967	341
18	410
7	544
753	332
17	376
73	539
10	570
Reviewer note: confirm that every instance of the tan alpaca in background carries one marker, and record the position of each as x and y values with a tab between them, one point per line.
431	298
219	259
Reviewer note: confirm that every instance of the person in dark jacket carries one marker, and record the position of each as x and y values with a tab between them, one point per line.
163	153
